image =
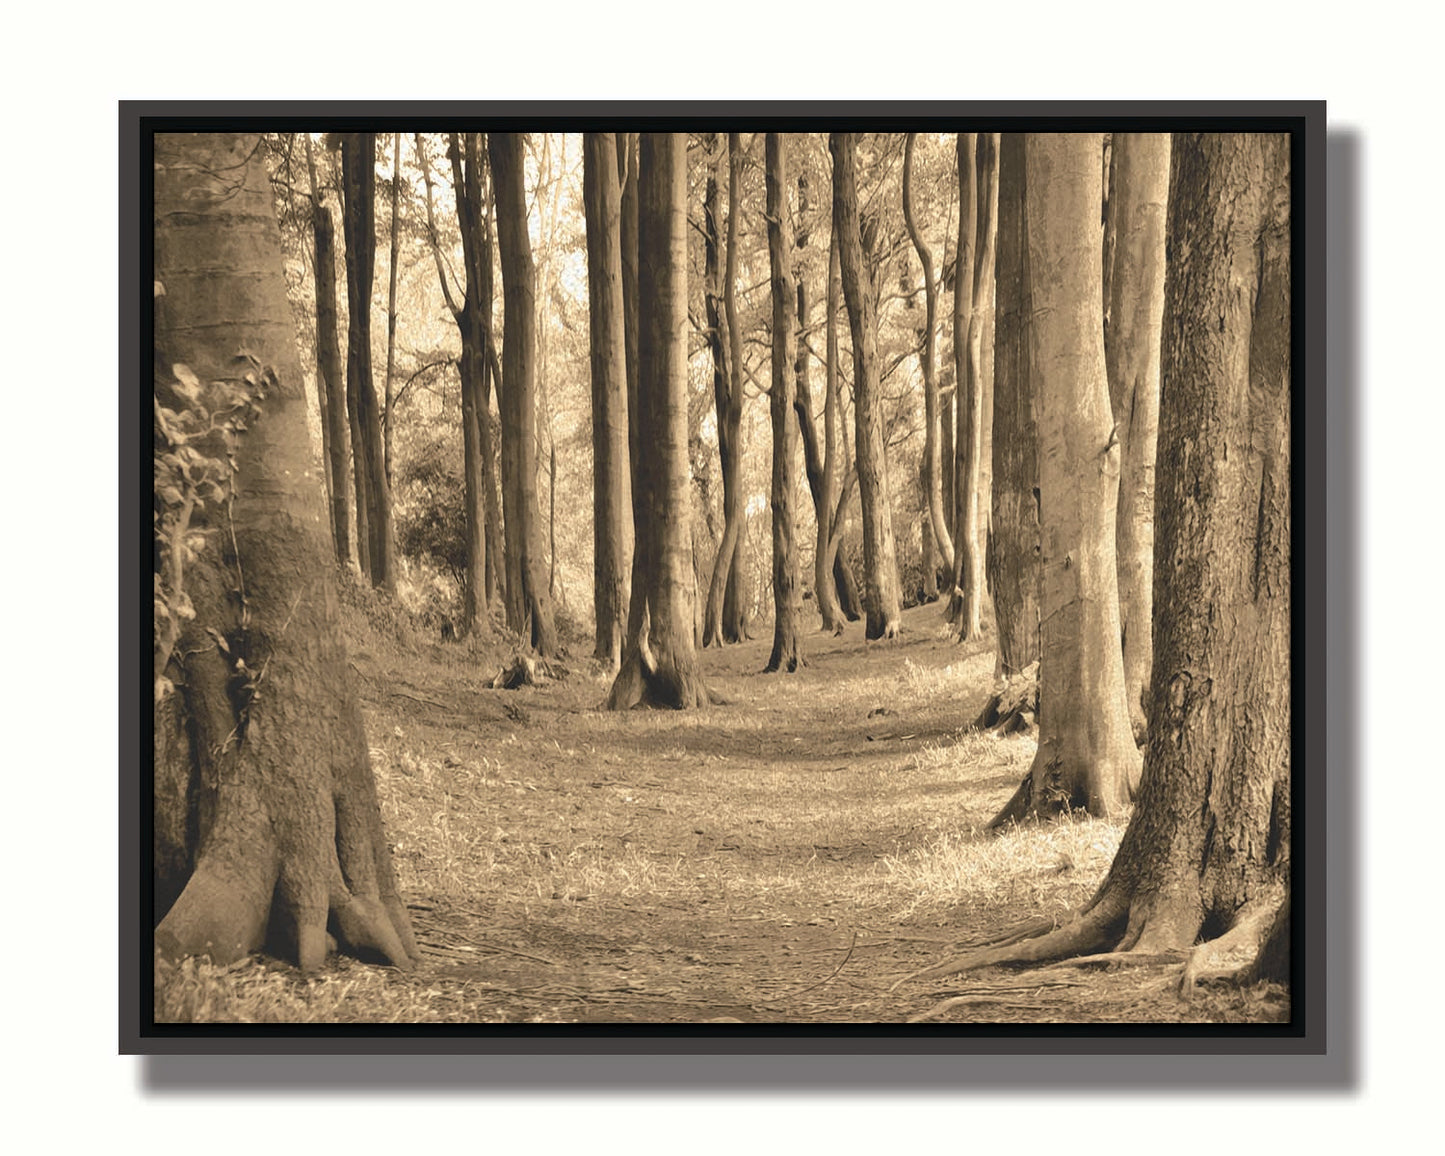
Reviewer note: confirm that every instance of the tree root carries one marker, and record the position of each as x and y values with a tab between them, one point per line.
1094	929
1253	947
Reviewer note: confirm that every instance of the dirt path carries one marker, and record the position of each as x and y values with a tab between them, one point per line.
783	858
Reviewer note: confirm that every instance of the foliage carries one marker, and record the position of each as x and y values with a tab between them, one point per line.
196	428
431	518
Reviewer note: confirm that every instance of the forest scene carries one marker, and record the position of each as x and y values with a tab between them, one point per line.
721	577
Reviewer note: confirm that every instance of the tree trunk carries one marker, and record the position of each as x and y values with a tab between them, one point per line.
328	368
1131	346
1086	754
968	435
1013	545
267	821
391	303
358	163
879	559
724	620
787	651
639	611
835	443
612	481
662	671
832	580
359	472
974	369
491	429
1203	869
529	607
932	465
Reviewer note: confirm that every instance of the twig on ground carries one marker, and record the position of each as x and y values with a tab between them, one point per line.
418	698
821	982
961	1000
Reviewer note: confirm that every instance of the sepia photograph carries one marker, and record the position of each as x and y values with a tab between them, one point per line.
783	576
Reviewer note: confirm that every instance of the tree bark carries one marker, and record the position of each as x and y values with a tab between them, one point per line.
267	821
612	481
1013	545
833	580
660	667
1203	869
787	653
973	367
932	465
724	620
1140	190
529	606
1086	754
358	163
328	368
880	564
391	303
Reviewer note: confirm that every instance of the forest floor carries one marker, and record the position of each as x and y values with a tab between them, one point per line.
783	858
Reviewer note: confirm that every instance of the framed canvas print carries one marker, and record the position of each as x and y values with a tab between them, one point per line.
725	578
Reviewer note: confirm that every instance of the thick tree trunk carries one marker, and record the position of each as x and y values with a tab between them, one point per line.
879	558
975	370
529	607
664	673
329	372
1086	755
1013	545
1140	179
932	465
612	480
787	651
358	163
1203	869
267	820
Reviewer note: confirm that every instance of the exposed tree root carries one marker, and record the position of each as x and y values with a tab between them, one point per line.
1015	706
1253	947
1256	946
1095	928
645	683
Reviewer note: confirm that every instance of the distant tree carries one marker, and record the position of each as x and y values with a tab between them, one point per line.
833	583
932	464
787	653
358	165
473	318
879	560
1140	179
1013	546
266	818
612	481
1086	753
660	666
529	605
336	446
1203	869
724	620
